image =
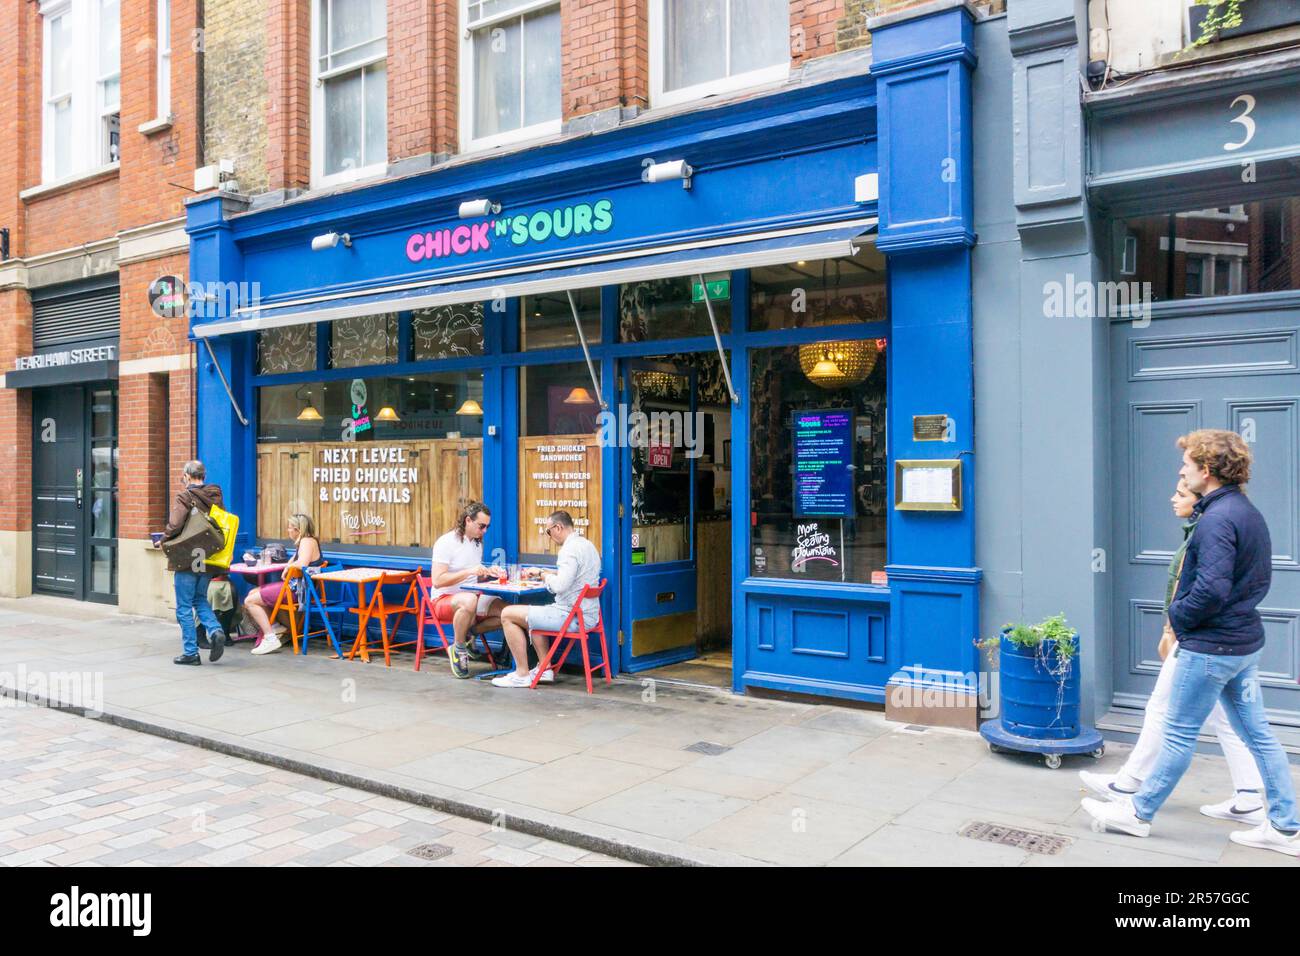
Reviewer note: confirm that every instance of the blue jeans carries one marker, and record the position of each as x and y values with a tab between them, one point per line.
191	596
1199	681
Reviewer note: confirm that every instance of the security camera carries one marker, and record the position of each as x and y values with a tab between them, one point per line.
329	240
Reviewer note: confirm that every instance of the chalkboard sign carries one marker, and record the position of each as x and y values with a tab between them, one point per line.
823	462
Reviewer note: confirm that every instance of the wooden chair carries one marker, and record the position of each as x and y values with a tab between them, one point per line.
579	635
378	607
427	616
313	592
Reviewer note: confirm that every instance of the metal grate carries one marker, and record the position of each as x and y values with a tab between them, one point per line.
706	748
63	319
430	851
1040	843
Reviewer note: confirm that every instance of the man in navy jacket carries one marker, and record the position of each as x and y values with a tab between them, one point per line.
1226	573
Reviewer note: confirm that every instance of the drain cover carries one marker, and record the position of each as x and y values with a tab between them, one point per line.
430	851
1021	839
916	729
706	748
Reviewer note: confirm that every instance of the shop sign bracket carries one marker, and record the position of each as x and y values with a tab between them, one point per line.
582	338
717	337
229	394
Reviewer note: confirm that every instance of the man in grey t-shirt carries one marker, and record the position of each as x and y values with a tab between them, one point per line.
577	566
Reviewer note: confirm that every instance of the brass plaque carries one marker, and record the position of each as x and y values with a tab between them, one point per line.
927	485
663	633
929	427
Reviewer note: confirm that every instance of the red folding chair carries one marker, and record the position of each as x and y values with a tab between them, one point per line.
579	635
379	609
427	616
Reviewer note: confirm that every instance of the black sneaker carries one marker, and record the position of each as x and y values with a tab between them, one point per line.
187	659
458	658
218	647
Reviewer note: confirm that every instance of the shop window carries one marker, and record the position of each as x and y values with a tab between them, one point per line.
1225	250
673	308
288	349
363	340
559	455
82	86
447	331
821	517
546	321
376	462
702	47
821	292
512	75
349	90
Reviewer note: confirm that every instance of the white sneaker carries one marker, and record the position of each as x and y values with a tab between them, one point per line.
1266	837
1239	808
1117	814
512	680
1103	785
279	629
269	643
548	675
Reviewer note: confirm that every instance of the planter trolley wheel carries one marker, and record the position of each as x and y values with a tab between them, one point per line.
1099	752
1053	761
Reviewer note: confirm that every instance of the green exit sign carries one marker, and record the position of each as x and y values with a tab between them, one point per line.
719	290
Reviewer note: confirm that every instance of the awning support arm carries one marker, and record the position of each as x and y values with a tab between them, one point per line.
591	368
217	365
717	337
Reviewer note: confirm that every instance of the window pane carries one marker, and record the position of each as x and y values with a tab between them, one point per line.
355	22
823	292
63	139
542	67
290	349
110	37
343	123
760	34
60	56
694	42
448	331
666	308
363	340
1244	248
547	320
478	9
376	114
165	25
781	546
496	79
103	572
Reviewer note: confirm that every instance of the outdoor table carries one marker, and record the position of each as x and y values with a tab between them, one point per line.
359	577
514	592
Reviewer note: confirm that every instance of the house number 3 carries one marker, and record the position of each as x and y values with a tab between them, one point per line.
1248	124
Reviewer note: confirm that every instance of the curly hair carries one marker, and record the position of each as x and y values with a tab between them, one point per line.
472	510
1223	452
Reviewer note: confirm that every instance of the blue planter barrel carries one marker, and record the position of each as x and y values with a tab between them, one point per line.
1033	704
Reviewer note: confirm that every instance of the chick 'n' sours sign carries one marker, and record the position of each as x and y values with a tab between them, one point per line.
561	222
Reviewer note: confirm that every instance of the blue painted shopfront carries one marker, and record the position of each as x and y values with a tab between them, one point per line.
788	167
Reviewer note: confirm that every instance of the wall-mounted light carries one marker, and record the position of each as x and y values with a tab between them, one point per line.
477	208
329	240
652	172
470	407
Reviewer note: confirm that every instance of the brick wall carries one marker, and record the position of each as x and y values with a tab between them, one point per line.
15	415
288	103
235	88
604	50
422	78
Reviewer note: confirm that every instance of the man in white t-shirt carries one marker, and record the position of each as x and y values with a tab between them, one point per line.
457	558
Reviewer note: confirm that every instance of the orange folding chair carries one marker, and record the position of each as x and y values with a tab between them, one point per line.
427	616
296	608
578	634
379	608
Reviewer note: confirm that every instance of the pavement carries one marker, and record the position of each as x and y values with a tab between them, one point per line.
640	771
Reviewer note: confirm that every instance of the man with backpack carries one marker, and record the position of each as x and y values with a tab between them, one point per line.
192	574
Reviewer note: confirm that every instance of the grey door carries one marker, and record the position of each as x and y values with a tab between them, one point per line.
1238	368
58	490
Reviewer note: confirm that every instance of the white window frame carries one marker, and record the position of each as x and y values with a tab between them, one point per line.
468	143
319	179
87	117
104	111
727	84
164	61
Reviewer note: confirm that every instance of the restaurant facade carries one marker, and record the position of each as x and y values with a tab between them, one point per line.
733	342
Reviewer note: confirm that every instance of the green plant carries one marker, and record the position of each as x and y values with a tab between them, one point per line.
1048	634
1222	15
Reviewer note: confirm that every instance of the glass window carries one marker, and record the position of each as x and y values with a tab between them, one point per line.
546	321
81	85
363	340
821	292
351	76
288	349
109	82
516	66
375	462
447	331
164	58
559	455
705	41
1229	250
59	54
673	308
848	375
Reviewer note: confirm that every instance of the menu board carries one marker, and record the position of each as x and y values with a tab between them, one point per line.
823	462
558	473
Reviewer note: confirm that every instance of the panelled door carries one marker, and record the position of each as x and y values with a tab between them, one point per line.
1239	371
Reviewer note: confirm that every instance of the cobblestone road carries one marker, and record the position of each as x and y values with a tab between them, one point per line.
77	792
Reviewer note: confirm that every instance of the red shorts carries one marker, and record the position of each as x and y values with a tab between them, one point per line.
444	612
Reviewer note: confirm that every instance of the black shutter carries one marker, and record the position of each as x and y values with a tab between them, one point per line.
60	319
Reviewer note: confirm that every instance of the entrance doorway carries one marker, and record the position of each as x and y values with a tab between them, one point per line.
74	491
675	504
